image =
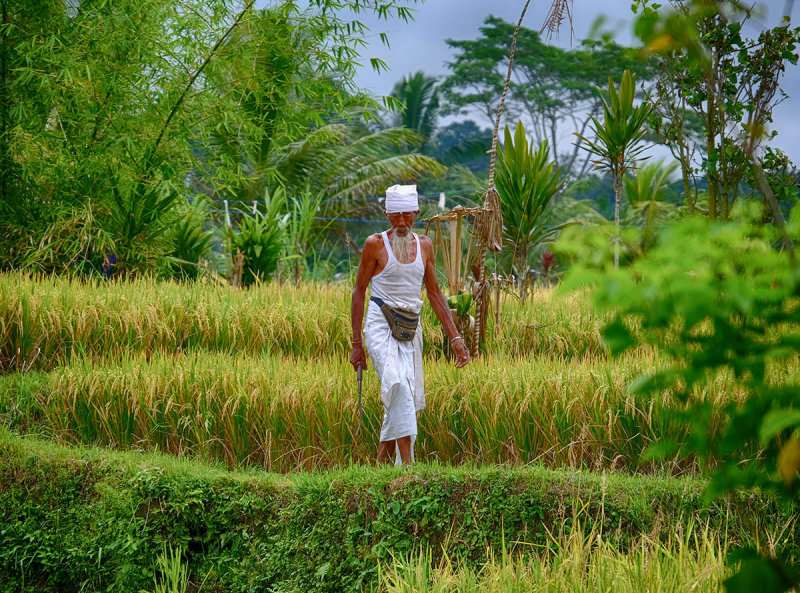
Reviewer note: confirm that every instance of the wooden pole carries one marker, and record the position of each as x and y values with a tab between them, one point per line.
455	256
457	267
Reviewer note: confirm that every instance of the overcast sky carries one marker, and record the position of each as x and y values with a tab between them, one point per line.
420	44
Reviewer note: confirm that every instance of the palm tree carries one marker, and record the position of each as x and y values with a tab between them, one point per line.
617	144
420	96
347	161
647	194
282	145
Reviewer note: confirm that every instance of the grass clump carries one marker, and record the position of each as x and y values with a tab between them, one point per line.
575	560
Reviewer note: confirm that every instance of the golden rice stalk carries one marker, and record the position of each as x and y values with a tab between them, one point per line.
287	413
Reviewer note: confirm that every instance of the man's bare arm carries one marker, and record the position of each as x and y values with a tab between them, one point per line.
366	269
439	302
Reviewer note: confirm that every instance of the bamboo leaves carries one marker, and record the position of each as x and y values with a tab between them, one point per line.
114	109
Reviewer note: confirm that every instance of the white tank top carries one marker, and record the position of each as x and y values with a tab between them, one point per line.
399	284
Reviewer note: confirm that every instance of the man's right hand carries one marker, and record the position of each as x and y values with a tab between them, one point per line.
460	353
358	358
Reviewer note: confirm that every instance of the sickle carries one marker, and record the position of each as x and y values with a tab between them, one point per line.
360	407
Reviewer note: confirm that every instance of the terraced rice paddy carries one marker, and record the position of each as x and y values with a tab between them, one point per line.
261	378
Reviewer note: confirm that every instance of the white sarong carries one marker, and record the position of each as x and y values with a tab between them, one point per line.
398	364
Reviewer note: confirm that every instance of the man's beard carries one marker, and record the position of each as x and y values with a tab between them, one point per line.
401	246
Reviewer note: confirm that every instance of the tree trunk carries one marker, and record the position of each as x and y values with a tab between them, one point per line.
617	198
687	191
5	154
683	157
711	137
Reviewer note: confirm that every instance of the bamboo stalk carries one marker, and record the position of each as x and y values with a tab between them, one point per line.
455	253
444	252
457	267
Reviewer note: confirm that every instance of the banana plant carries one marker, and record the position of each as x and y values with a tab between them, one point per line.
618	138
526	180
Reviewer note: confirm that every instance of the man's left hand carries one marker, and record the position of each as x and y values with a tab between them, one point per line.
460	353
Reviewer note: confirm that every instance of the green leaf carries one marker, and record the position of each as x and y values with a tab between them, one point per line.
618	337
654	382
757	573
659	450
776	421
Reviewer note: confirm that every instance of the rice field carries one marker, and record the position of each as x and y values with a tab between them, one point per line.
261	378
287	413
46	322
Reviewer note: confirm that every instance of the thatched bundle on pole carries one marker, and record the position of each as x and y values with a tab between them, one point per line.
487	221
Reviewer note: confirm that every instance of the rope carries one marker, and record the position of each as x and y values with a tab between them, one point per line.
493	153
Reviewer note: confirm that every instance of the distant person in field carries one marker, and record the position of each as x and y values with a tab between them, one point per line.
395	263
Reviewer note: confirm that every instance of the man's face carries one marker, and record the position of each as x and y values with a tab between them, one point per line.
402	221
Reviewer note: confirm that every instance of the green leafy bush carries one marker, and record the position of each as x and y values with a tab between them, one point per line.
261	237
731	303
190	241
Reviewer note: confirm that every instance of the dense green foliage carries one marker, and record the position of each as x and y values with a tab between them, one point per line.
731	301
526	180
92	520
113	114
714	96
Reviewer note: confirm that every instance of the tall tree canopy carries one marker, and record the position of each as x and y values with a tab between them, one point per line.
420	96
106	107
553	89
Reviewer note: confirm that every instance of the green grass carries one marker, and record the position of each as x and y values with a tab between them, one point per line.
90	519
690	559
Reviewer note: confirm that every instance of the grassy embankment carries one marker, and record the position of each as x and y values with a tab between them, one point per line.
92	519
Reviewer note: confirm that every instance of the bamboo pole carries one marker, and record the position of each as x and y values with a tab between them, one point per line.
457	267
455	255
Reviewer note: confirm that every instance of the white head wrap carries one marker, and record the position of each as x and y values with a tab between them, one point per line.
401	198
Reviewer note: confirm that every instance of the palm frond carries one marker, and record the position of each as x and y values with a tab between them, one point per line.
373	177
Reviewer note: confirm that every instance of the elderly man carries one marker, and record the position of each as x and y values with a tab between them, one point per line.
395	263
